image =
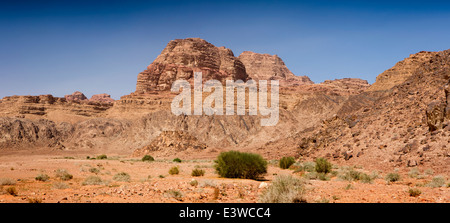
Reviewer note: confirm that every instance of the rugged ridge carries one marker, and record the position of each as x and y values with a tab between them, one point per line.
405	124
402	70
269	67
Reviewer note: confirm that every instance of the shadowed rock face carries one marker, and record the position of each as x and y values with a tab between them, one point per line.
269	67
182	57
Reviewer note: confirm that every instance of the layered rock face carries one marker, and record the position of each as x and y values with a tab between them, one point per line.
182	57
96	98
53	108
269	67
402	71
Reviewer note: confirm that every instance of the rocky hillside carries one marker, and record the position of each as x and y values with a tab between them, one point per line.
402	70
406	124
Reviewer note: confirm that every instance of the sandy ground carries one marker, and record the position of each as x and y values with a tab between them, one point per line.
151	182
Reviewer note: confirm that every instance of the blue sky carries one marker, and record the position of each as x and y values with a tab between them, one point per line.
58	47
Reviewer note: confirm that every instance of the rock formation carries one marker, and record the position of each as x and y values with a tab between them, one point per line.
402	70
76	96
182	57
101	98
269	67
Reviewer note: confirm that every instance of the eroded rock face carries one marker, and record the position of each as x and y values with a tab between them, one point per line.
76	96
182	57
102	98
269	67
22	132
435	114
356	84
401	71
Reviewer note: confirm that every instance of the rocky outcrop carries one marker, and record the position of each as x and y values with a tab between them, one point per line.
25	133
269	67
182	57
402	71
356	85
435	115
101	98
52	108
76	96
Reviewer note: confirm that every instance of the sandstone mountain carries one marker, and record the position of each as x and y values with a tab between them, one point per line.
76	96
269	67
182	57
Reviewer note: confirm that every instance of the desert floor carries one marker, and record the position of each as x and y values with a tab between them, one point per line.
151	182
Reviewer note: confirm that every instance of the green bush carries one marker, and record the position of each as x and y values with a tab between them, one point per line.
148	158
197	172
414	173
174	170
102	157
437	181
42	177
94	170
392	177
63	174
193	182
414	192
178	160
92	180
316	176
234	164
353	175
365	178
286	162
122	177
322	165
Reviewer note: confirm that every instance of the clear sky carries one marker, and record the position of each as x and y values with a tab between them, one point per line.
58	47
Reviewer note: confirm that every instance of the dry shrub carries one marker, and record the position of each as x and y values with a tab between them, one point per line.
284	189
